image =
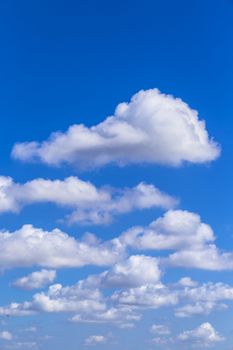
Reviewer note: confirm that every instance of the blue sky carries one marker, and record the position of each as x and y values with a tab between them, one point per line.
107	277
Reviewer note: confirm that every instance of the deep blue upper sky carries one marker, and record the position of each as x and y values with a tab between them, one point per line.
71	62
67	62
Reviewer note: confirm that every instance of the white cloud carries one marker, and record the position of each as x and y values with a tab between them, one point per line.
76	298
120	315
135	271
95	340
207	257
175	230
204	335
184	233
37	279
142	196
31	246
187	282
87	302
204	298
89	204
160	329
151	128
209	291
83	299
152	296
5	335
198	308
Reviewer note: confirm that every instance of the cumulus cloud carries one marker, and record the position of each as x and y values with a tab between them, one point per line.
152	296
119	315
208	257
95	340
85	297
190	241
89	204
187	282
59	299
36	280
5	335
151	128
184	233
204	298
31	246
122	316
84	300
129	289
204	335
199	308
137	270
175	230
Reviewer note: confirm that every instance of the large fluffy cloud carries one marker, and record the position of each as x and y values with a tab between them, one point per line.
152	128
89	204
31	246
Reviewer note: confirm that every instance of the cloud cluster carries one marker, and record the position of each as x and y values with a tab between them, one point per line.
187	241
151	128
120	294
89	204
59	299
84	300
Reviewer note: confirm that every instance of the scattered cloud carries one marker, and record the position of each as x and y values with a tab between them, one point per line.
160	329
5	335
204	335
36	280
95	340
122	316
